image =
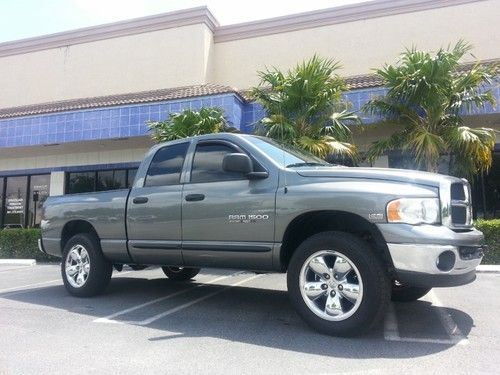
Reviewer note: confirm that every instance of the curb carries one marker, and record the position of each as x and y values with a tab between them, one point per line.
18	262
488	268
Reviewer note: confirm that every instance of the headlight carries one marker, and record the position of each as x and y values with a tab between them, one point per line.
413	211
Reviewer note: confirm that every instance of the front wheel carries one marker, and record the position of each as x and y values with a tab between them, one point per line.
337	284
180	273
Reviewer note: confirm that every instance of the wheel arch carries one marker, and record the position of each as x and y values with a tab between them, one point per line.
310	223
74	227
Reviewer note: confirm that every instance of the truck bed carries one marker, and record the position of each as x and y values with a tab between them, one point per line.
104	210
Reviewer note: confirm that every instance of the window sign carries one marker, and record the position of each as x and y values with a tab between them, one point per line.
15	202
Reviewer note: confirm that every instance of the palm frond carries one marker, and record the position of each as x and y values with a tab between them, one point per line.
378	148
427	147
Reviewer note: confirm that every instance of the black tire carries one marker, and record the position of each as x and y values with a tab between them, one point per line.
180	273
376	284
405	293
100	269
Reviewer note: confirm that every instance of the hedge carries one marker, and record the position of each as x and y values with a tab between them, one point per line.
491	230
22	243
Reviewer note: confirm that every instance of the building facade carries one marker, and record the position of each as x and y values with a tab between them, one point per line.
74	106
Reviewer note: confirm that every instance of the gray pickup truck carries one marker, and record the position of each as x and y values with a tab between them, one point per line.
349	239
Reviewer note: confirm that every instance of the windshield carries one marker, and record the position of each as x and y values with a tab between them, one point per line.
286	155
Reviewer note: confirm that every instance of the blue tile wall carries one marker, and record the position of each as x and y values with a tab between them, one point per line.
130	120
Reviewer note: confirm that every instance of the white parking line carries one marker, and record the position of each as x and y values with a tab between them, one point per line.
21	287
109	318
191	303
18	268
24	288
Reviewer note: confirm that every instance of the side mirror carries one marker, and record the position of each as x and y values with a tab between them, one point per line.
237	162
241	163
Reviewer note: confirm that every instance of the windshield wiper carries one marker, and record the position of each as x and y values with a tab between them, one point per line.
306	164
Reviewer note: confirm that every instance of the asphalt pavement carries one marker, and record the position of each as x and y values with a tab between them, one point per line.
231	322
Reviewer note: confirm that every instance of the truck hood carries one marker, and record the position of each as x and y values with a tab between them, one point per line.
385	174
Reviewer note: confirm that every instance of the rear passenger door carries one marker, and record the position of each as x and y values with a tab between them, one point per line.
154	210
227	219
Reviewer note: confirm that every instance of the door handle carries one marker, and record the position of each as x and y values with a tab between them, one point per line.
140	200
194	197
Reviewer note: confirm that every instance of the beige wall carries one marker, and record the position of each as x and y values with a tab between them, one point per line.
362	45
187	55
71	154
159	59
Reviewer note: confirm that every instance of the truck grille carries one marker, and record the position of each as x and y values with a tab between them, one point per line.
460	205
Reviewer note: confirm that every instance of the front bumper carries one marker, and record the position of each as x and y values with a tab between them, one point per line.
433	256
423	265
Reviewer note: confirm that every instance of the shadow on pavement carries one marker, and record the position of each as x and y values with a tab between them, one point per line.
247	315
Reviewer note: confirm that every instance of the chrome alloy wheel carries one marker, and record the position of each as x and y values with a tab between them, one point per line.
77	266
331	285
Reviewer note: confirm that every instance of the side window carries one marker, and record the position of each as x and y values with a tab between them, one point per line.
207	163
166	166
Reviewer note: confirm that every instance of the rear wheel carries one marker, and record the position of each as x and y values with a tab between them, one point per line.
84	269
406	293
180	273
337	284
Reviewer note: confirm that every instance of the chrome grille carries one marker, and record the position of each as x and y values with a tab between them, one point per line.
456	207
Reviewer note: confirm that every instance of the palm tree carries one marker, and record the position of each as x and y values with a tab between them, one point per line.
190	123
304	108
427	98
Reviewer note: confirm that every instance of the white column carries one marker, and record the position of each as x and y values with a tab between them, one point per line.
56	183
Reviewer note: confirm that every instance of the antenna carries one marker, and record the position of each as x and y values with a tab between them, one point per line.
283	150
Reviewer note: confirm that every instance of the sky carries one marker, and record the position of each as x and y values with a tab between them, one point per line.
27	18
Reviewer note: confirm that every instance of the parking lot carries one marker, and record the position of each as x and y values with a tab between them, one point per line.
231	322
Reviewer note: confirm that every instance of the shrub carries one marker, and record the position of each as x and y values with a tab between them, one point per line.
491	230
22	244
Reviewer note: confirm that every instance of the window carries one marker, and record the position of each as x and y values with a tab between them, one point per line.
1	201
81	182
112	179
283	154
207	163
39	191
15	202
166	166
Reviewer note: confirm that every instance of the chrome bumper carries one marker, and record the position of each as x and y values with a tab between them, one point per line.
424	258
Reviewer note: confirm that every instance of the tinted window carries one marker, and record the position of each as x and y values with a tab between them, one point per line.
207	163
39	191
111	180
166	166
81	182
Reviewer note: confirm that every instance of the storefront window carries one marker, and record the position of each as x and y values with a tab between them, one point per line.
111	180
15	202
85	182
39	191
81	182
1	201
